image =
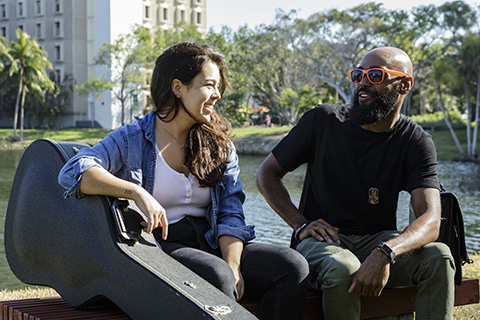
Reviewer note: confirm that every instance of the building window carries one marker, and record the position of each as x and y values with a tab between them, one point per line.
199	18
38	31
57	6
3	32
182	15
20	10
147	12
165	14
57	29
58	76
20	26
38	8
3	11
57	53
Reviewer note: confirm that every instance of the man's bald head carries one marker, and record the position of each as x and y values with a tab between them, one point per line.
390	58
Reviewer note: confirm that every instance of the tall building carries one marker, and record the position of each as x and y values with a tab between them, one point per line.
72	31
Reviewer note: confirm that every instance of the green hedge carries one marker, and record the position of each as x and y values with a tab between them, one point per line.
436	120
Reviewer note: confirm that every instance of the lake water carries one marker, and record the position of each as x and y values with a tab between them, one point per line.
461	178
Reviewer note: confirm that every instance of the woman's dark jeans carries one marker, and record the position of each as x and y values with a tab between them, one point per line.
274	275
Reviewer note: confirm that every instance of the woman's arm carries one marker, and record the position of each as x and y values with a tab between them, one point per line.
231	249
99	181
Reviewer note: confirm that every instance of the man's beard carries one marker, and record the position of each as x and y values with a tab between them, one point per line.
378	109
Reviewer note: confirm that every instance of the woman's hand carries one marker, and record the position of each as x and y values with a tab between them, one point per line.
156	214
239	284
232	248
97	180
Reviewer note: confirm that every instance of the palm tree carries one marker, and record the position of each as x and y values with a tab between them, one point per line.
5	57
29	62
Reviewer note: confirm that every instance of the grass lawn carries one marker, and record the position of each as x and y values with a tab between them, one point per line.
446	148
92	136
444	142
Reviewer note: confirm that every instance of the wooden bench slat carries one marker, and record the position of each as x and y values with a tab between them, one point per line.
394	301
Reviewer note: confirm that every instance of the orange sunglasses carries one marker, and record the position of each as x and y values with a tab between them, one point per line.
374	75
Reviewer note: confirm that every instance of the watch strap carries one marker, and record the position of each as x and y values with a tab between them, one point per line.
385	249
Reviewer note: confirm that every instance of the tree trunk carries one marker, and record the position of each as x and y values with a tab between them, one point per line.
17	104
469	129
477	118
22	112
450	128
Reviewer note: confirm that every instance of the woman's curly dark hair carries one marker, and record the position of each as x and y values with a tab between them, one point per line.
208	145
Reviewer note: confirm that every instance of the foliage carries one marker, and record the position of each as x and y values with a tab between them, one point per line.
29	62
293	64
95	86
49	107
5	57
436	120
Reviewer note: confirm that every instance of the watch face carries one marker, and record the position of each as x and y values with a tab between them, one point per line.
386	248
389	252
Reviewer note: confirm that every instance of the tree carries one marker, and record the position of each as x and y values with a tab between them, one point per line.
468	59
46	108
5	57
333	42
444	75
123	60
270	64
29	62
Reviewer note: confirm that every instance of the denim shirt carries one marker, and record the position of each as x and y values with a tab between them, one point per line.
129	153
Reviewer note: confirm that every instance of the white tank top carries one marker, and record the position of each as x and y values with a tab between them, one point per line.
180	195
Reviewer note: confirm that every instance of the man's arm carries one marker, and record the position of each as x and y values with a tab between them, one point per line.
269	183
425	228
375	270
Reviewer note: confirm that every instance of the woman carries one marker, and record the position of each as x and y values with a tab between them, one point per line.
180	167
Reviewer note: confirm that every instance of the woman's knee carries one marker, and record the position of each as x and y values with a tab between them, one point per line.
221	276
210	267
275	261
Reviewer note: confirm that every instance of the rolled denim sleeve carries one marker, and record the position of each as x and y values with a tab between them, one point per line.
71	174
106	154
230	216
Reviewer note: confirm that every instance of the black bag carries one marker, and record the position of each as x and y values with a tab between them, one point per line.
452	232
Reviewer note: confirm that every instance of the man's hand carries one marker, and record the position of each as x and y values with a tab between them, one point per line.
372	276
321	231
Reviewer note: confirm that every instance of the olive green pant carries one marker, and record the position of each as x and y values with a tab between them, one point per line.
431	269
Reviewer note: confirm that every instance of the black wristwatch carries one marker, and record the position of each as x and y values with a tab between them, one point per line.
387	251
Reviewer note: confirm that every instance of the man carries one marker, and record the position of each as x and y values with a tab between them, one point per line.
358	159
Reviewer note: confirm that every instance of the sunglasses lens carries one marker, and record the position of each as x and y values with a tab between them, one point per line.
357	76
375	76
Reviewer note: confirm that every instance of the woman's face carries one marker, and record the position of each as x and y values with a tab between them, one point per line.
200	96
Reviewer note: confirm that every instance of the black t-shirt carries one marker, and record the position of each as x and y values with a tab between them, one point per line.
345	161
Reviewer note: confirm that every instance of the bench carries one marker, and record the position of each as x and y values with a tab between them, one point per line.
395	301
392	301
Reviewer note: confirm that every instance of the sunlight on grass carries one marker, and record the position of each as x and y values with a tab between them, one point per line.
27	293
258	131
90	136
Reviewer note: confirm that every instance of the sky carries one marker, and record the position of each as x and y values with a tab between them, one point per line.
236	13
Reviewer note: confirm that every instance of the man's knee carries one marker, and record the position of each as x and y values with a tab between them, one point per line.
330	263
436	251
437	258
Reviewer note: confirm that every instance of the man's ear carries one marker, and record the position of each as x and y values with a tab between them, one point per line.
177	87
407	85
